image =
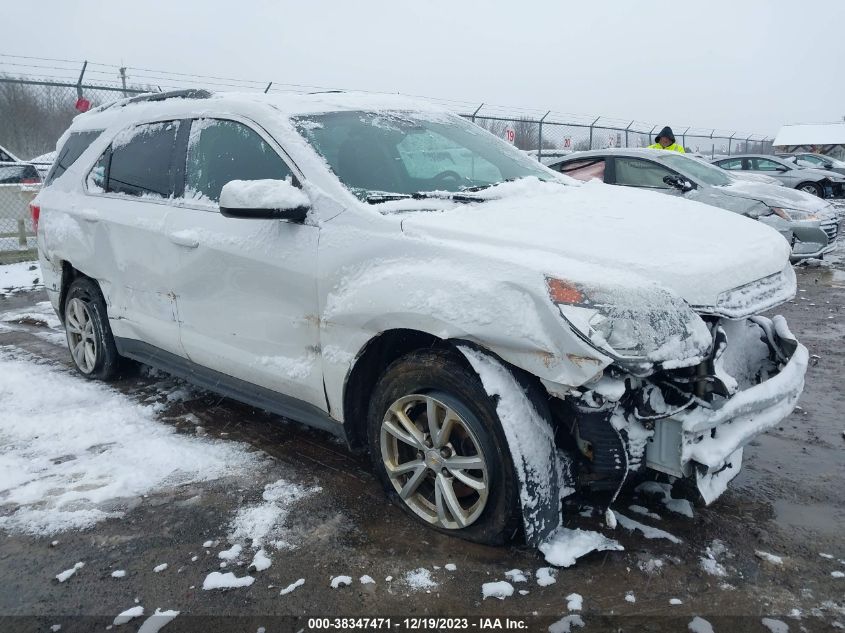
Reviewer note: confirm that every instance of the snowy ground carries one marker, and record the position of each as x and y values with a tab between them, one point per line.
149	497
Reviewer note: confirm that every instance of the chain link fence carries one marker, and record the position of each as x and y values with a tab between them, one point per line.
552	135
35	110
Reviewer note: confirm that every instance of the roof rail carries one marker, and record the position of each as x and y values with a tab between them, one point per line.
190	93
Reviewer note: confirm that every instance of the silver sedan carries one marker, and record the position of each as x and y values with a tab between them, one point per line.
819	182
810	224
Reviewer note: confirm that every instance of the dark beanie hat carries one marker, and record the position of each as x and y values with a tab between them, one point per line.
667	132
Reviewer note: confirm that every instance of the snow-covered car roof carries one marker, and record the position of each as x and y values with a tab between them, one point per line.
288	105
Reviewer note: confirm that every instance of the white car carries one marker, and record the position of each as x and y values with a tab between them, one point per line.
495	334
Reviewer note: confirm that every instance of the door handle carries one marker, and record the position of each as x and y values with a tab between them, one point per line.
188	239
89	215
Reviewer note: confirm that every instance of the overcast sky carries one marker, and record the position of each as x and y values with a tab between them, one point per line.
748	65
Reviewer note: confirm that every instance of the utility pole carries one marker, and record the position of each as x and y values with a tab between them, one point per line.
123	79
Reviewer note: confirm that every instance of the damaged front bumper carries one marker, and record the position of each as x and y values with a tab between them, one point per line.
694	422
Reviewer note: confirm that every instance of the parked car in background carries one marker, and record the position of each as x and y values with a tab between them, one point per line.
762	178
43	163
325	257
14	171
819	182
817	161
808	223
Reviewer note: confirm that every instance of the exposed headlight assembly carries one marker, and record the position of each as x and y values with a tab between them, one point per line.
795	215
638	325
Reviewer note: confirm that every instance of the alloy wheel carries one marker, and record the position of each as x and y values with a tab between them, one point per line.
434	461
80	335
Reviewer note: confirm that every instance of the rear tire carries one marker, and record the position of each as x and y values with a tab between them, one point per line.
88	332
811	187
422	473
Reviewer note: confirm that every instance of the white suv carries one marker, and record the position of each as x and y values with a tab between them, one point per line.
495	334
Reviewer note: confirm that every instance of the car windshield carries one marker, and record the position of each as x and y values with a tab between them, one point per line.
406	153
698	170
812	160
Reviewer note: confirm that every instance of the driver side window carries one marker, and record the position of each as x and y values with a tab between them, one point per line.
636	172
426	154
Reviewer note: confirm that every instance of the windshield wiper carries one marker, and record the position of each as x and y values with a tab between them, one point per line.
458	196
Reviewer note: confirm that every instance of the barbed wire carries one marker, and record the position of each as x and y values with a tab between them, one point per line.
162	79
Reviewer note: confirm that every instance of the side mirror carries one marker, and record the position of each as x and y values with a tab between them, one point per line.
782	169
263	200
678	182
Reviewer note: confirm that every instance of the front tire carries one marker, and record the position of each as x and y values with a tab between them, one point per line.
88	333
811	187
438	448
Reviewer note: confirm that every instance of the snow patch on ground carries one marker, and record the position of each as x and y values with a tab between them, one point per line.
648	531
775	626
699	625
419	579
76	453
67	573
566	624
260	561
574	601
564	546
125	616
157	621
516	575
291	587
500	589
159	568
218	580
546	576
264	521
18	277
774	559
341	581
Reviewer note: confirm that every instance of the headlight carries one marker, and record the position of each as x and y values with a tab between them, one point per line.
646	324
795	214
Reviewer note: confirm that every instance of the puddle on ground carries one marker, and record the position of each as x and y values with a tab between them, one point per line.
818	517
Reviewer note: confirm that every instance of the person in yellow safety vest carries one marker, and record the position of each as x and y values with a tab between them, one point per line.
666	140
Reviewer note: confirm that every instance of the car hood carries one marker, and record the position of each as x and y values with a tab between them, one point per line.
818	173
775	196
596	233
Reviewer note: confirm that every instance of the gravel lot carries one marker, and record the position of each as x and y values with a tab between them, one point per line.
789	501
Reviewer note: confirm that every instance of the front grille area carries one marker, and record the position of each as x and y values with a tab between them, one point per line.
831	227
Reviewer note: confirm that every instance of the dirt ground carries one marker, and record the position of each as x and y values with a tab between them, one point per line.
789	500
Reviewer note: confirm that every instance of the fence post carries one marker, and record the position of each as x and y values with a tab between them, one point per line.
477	110
626	133
540	138
22	233
748	140
591	131
730	140
123	80
684	138
712	147
267	89
79	81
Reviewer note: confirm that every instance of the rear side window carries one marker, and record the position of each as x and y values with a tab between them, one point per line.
220	151
583	169
73	148
141	161
731	165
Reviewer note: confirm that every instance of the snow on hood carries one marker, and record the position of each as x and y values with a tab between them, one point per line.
777	196
602	234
